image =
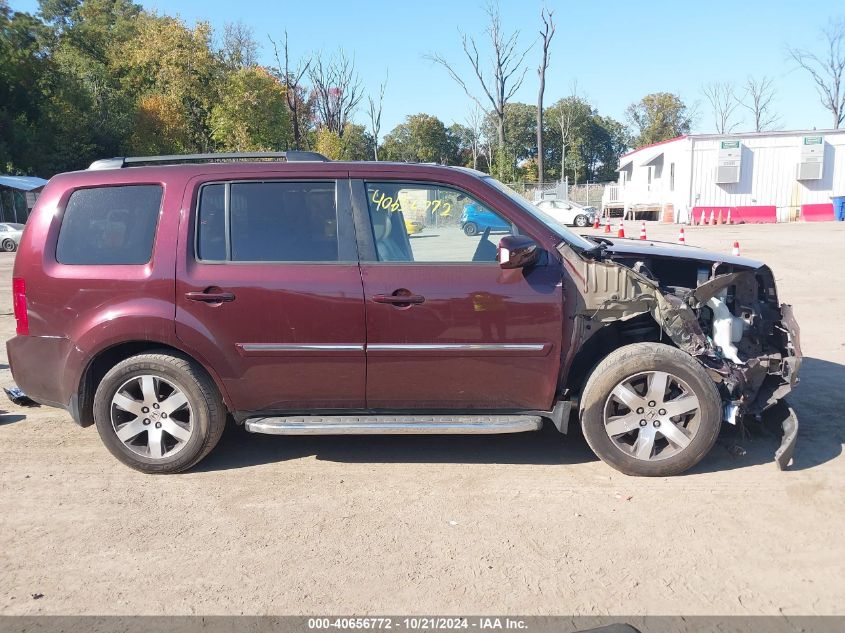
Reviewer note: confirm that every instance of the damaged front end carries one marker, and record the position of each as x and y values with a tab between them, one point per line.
720	309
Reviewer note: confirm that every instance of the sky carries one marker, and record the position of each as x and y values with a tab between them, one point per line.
613	52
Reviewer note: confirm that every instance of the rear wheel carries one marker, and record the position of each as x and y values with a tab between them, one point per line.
582	221
650	409
159	413
9	245
471	229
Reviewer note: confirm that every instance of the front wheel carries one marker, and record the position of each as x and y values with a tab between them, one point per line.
582	221
159	412
9	245
471	229
649	409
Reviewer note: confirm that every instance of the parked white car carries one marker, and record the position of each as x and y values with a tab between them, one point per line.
568	212
10	236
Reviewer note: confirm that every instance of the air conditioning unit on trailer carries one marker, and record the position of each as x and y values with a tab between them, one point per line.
811	165
730	162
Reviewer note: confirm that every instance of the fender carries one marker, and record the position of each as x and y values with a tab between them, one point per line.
155	328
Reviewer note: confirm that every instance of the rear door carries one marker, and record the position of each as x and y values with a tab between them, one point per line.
269	292
447	328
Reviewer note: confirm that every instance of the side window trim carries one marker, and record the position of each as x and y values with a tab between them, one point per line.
346	233
363	226
227	220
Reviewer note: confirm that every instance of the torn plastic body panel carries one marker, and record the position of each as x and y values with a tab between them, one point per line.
721	310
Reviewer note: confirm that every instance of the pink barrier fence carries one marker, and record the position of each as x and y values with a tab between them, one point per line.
739	215
817	212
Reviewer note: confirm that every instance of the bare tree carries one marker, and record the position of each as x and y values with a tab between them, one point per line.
375	115
503	79
546	33
292	80
337	90
724	102
759	94
828	71
239	48
474	121
567	118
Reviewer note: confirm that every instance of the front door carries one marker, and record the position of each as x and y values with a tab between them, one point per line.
447	328
269	292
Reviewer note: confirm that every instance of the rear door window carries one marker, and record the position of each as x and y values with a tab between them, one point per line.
268	222
109	225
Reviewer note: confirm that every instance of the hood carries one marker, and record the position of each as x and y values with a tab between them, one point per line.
647	248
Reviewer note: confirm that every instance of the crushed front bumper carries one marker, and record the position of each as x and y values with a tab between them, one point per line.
782	413
785	415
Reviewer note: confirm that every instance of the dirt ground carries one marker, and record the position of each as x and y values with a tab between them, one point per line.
521	524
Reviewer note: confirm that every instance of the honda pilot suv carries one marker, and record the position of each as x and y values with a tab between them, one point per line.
160	297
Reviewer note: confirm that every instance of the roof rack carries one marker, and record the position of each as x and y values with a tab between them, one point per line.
129	161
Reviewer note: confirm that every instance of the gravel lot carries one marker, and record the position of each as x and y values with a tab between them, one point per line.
523	524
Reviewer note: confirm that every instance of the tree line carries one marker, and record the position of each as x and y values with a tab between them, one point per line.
85	79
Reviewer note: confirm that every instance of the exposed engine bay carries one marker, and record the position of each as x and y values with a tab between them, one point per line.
722	310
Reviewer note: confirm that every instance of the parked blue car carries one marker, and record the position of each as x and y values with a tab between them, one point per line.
476	219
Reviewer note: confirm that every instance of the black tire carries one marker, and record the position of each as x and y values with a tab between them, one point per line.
471	229
581	221
9	245
208	411
629	361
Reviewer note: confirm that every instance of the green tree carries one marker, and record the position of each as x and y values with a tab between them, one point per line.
520	130
251	114
76	111
568	120
607	140
328	143
658	117
420	139
461	139
169	59
23	66
357	143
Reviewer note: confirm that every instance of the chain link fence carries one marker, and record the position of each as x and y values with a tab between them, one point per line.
587	194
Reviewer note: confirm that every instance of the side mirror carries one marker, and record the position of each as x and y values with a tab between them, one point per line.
517	251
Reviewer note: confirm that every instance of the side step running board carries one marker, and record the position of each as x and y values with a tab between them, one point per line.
393	424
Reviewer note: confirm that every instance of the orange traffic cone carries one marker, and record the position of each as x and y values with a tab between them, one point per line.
702	221
642	232
712	217
596	222
681	237
729	221
719	219
621	232
607	225
736	249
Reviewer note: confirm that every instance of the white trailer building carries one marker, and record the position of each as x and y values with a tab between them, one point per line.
758	176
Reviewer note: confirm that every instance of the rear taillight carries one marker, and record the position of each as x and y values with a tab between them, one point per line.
19	303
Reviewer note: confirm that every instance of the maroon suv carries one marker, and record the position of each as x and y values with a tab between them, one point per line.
157	297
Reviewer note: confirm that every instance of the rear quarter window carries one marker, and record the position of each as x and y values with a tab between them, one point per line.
109	225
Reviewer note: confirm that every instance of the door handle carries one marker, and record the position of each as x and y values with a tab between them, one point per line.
210	297
402	299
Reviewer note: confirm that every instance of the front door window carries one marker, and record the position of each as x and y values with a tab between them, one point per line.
428	223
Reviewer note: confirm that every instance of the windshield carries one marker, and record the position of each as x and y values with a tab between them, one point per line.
556	226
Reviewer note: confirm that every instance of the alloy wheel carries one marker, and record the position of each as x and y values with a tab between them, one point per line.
152	416
652	415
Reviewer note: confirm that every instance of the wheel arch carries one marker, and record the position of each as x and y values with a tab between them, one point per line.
82	405
606	340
